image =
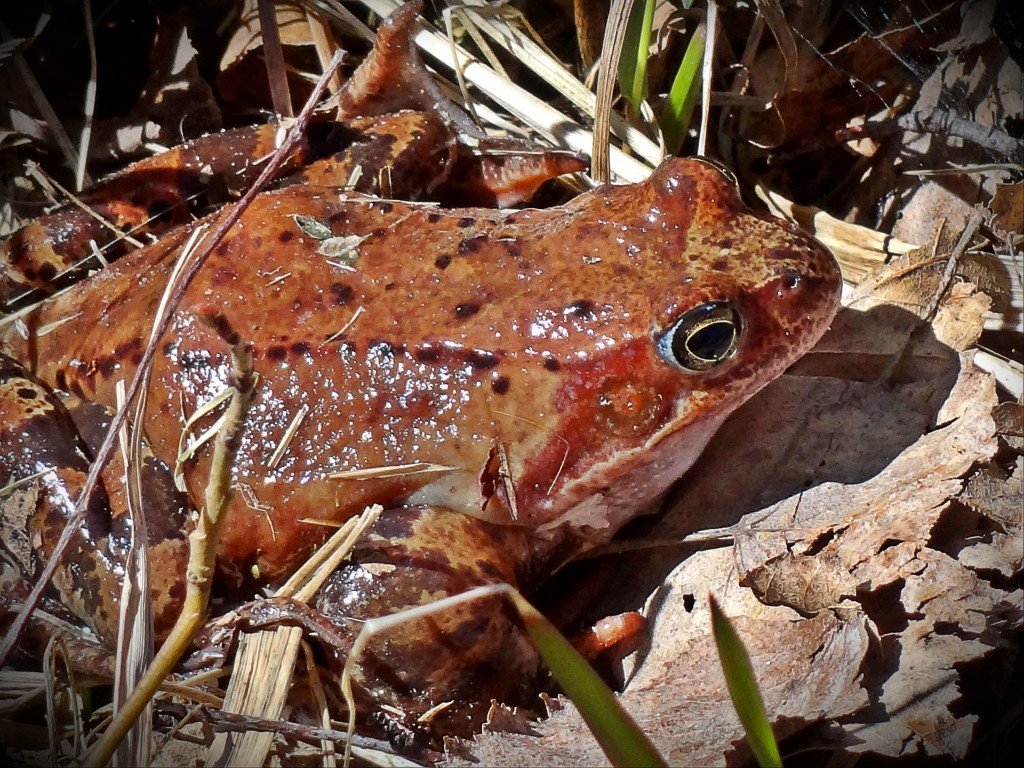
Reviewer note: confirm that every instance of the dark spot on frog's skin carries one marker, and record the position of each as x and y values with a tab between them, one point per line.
222	249
194	360
720	265
433	217
425	354
581	308
61	380
488	569
342	293
386	207
136	357
276	352
481	358
382	349
442	262
285	236
394	527
300	347
472	244
466	309
106	366
176	591
125	347
551	364
158	209
19	252
47	271
222	327
26	393
500	385
726	243
467	221
378	231
389	287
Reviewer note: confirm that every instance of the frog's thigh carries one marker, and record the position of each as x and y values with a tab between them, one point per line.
48	437
472	652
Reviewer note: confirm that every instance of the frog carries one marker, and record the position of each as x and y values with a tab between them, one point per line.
511	385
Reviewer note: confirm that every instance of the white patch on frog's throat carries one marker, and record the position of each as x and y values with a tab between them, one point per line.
653	467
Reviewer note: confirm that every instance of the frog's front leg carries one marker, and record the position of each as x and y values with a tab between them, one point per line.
465	655
48	440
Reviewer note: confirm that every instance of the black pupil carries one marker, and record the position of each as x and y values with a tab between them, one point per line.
712	342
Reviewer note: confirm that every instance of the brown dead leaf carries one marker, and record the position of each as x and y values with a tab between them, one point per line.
243	76
1009	419
503	719
807	583
913	281
992	494
1007	207
823	90
955	618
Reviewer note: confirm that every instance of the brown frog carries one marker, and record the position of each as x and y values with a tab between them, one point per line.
524	381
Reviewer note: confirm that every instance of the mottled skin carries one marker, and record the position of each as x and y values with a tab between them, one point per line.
530	333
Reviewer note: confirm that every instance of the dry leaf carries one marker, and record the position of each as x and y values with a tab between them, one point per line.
1007	207
913	280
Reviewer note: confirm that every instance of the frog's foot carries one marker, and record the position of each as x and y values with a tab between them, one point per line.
491	172
46	446
434	674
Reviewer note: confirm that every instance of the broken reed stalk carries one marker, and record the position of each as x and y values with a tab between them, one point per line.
202	557
265	660
106	448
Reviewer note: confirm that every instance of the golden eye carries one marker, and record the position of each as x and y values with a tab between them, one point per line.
703	337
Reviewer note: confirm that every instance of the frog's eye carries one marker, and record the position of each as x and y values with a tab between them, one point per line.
702	338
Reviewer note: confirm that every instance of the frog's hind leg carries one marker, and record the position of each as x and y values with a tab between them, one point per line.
46	447
465	655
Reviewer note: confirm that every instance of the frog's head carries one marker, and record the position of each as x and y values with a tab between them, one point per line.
694	304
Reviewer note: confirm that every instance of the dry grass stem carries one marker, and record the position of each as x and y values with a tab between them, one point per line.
328	757
134	648
706	74
860	250
553	125
289	434
51	327
265	660
394	470
37	174
608	65
89	109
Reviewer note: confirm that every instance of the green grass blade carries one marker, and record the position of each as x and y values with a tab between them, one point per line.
633	61
682	96
617	733
746	698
